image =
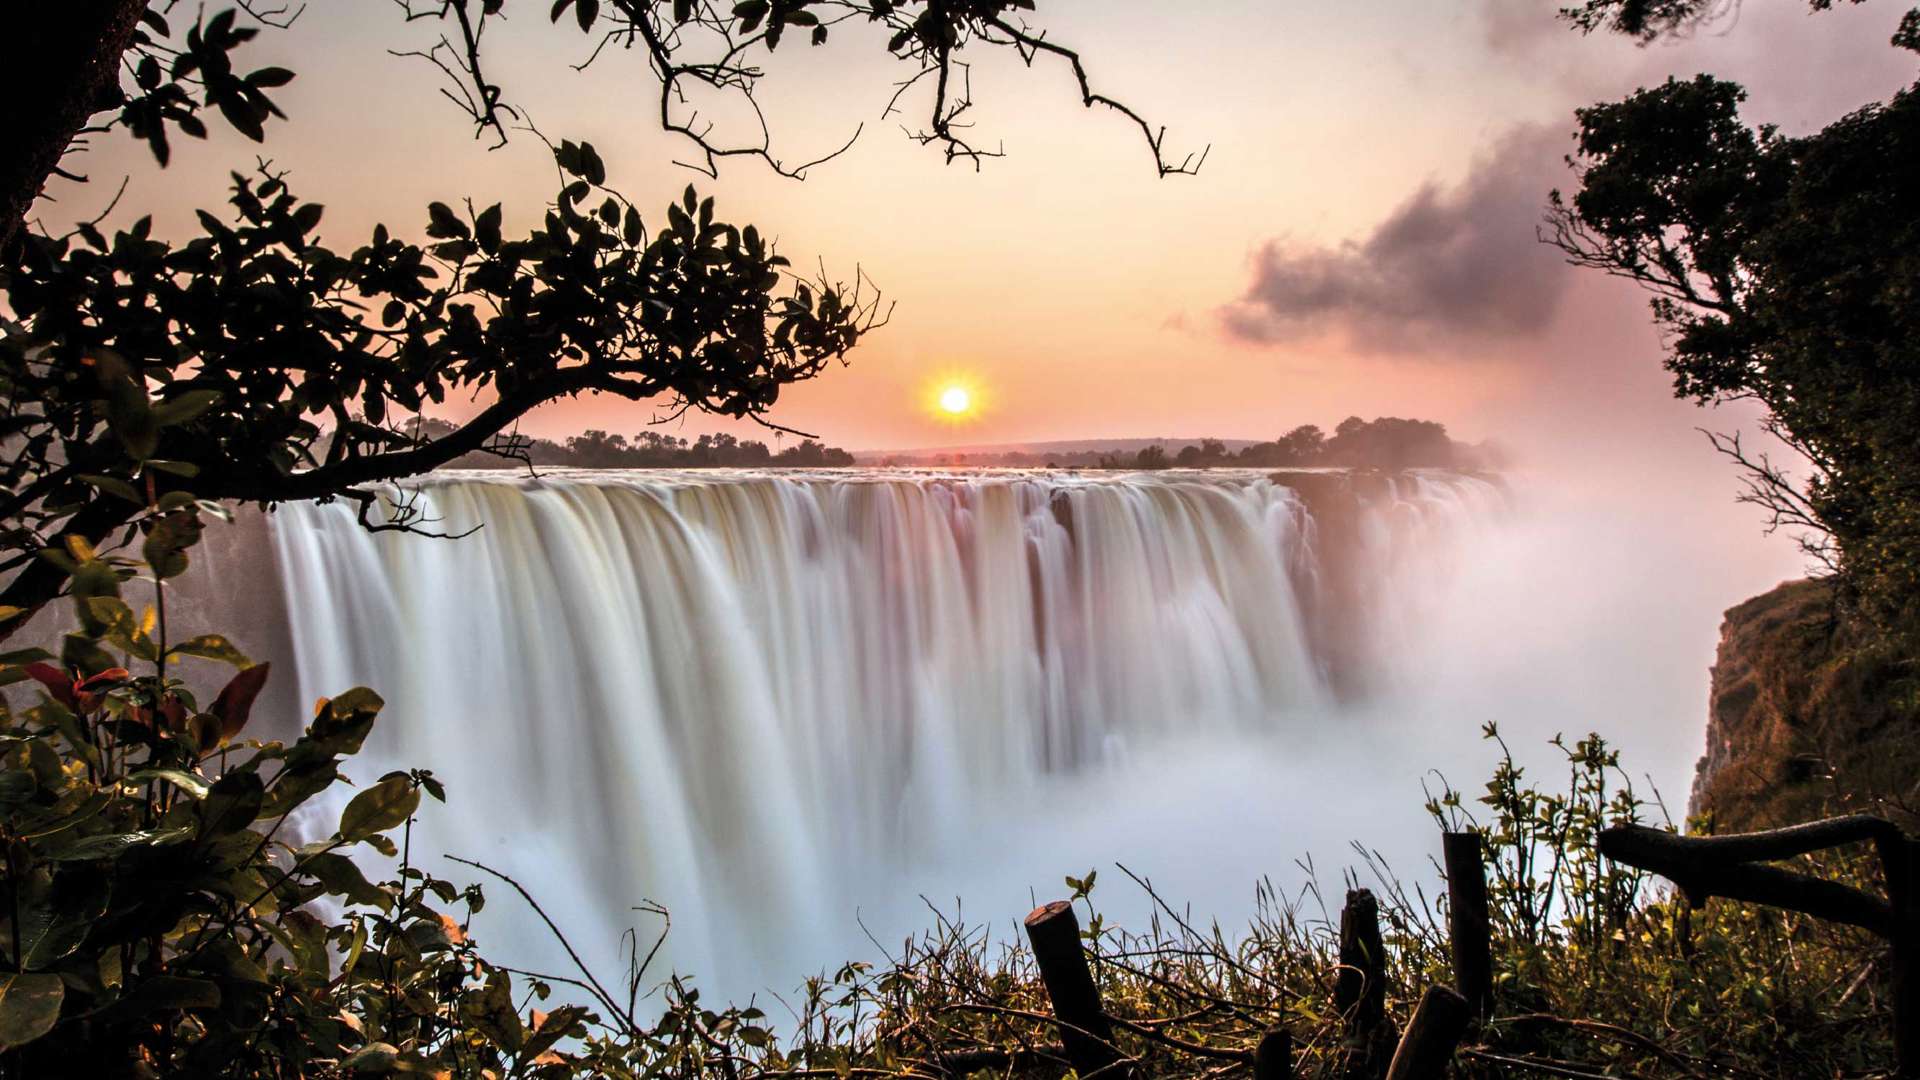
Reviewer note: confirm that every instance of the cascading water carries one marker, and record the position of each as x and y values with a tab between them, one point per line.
769	701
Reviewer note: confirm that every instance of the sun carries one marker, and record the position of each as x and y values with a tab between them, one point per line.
954	398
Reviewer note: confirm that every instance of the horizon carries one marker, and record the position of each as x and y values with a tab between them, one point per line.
1336	255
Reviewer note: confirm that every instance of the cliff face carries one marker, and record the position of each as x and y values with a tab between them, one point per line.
1803	720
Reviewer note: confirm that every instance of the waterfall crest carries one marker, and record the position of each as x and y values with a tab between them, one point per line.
756	697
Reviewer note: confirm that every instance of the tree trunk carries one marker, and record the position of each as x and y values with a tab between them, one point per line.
59	64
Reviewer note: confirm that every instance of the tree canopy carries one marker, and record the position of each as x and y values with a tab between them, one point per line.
254	362
1784	271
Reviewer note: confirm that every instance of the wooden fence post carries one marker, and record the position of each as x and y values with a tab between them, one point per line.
1054	932
1273	1058
1433	1033
1468	922
1360	987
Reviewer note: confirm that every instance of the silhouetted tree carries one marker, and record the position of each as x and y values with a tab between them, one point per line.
260	365
1784	271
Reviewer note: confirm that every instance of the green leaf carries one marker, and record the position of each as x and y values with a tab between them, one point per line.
191	783
232	804
114	845
170	992
551	1030
341	876
29	1007
115	486
383	806
298	784
212	647
179	410
57	911
178	468
375	1057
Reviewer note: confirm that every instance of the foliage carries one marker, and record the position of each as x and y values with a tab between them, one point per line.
253	336
177	899
596	449
1648	20
230	354
1783	271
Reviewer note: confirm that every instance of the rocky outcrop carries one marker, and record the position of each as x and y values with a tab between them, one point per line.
1806	718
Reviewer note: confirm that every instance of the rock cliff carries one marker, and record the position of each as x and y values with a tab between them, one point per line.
1804	718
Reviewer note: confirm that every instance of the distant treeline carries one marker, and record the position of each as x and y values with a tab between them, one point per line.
655	450
1388	442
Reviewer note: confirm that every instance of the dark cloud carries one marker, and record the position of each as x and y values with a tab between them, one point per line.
1448	266
1520	26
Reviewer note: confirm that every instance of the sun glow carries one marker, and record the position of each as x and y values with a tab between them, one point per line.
954	398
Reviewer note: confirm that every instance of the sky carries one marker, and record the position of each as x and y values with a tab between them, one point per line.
1360	239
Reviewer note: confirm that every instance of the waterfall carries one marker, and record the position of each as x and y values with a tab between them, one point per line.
762	698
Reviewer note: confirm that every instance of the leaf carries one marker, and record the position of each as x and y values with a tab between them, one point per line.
232	804
57	912
298	784
194	785
270	77
591	167
341	876
178	468
487	229
443	224
212	647
113	485
383	806
114	845
375	1057
170	992
550	1029
178	410
56	682
235	701
29	1007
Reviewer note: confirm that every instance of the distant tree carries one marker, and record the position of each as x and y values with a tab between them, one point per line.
1303	445
1151	457
1389	442
252	363
810	454
1786	272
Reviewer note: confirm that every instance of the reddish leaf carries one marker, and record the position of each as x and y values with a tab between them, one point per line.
56	682
236	700
111	675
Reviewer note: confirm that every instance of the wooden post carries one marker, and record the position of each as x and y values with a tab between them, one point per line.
1432	1034
1054	932
1468	923
1360	988
1273	1058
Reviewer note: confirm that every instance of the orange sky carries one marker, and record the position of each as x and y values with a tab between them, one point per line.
1083	296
